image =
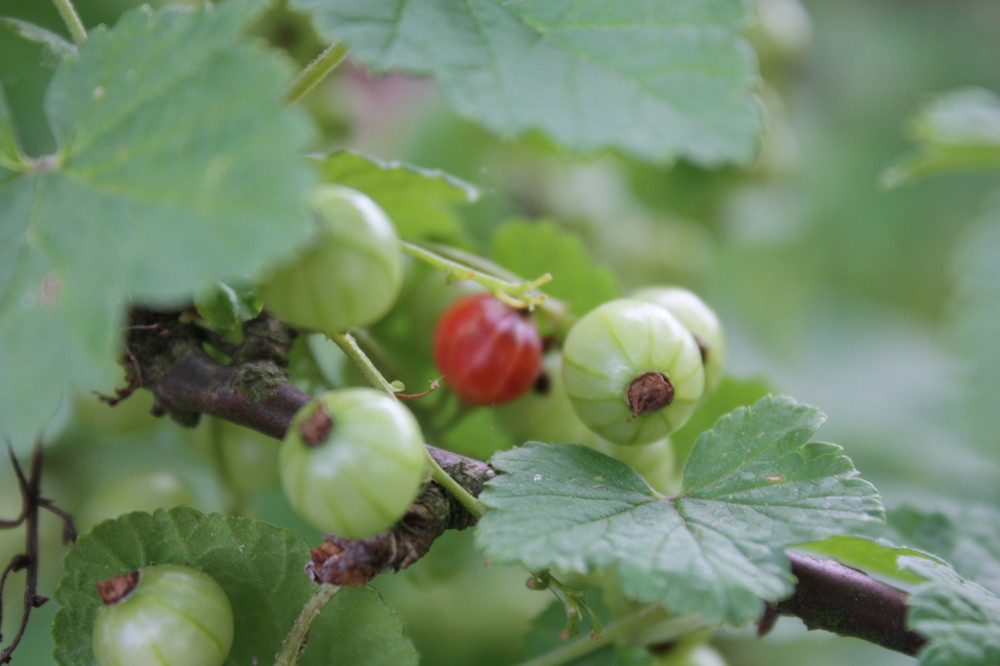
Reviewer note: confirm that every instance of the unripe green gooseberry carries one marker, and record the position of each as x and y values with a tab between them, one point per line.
352	462
632	371
351	273
167	614
697	318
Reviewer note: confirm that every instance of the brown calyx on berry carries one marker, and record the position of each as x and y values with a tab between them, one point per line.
649	392
316	427
115	589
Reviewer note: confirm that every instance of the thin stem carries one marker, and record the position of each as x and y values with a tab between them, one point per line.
316	71
443	479
584	645
295	642
350	347
357	356
515	294
72	20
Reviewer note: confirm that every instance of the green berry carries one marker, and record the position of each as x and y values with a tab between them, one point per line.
697	318
167	614
352	462
351	273
632	371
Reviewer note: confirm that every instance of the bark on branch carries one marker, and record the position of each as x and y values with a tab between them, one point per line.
255	392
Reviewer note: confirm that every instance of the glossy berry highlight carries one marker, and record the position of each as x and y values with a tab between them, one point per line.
488	352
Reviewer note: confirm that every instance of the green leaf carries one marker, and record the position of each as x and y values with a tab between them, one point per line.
753	485
958	131
224	308
974	322
260	567
879	558
960	619
418	201
967	535
53	42
732	393
657	80
532	249
178	164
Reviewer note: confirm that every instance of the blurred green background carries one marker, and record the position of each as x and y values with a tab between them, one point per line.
836	291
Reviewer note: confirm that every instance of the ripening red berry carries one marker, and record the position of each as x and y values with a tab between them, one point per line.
488	352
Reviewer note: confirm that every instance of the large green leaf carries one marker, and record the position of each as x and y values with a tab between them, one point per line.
753	485
958	131
178	164
260	567
975	326
531	249
656	79
418	201
961	619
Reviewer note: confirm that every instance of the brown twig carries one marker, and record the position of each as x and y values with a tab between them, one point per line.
31	502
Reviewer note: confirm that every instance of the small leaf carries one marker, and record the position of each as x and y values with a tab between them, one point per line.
418	201
961	619
531	249
754	485
53	42
958	131
658	80
260	567
872	557
224	308
178	164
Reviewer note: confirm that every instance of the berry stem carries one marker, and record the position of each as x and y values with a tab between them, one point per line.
628	625
72	20
316	71
513	292
350	347
295	642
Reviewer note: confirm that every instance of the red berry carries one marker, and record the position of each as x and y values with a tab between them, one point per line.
488	352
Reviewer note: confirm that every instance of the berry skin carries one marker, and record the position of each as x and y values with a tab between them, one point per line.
350	275
169	614
488	352
632	371
697	318
352	462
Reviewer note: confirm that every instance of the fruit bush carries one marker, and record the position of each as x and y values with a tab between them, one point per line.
377	332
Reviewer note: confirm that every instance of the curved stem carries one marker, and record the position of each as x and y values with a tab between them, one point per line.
72	20
350	347
584	645
515	294
357	356
295	642
316	71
